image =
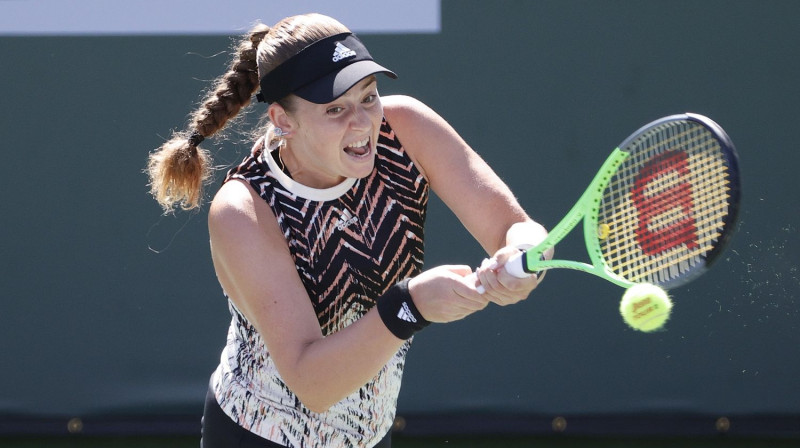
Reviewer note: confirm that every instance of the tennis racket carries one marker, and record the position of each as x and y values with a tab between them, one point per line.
660	210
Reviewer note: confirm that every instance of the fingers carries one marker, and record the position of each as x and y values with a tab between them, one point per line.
444	294
449	293
456	306
461	270
501	287
504	289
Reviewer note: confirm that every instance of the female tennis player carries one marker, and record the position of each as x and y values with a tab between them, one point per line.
317	237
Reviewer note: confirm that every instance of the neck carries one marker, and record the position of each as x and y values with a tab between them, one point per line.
299	171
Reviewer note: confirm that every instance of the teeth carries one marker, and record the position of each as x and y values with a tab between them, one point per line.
359	144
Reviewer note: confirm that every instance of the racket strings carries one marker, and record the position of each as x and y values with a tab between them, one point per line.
665	207
711	181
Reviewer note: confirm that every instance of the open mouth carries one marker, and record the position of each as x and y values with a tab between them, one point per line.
358	149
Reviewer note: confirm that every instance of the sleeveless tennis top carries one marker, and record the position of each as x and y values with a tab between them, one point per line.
350	243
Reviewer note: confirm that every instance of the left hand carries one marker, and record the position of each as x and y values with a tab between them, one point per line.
501	287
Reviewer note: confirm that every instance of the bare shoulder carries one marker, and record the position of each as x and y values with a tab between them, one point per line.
427	136
238	212
234	200
243	233
422	131
410	116
403	110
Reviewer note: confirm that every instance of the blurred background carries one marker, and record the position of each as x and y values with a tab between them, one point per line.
111	318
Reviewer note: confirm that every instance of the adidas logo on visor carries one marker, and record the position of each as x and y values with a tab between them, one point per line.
342	52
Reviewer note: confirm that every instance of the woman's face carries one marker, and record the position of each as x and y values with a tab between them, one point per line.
333	141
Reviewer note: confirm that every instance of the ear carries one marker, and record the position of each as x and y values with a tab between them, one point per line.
280	118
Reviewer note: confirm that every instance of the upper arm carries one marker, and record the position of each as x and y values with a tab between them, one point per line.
254	266
456	173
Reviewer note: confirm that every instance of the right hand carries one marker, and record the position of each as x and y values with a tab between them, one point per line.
445	293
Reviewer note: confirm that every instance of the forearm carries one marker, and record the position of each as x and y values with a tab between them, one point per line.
329	369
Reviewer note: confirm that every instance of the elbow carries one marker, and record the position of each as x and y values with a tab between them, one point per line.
312	392
314	402
318	408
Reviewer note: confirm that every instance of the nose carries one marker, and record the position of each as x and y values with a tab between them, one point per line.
360	119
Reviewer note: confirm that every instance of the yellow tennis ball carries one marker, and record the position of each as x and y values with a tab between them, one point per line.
645	307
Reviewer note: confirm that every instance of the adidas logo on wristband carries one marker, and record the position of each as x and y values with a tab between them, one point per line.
406	314
398	312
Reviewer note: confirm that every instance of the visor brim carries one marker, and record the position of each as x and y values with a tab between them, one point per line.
332	86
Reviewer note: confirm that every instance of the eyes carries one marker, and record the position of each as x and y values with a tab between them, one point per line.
370	98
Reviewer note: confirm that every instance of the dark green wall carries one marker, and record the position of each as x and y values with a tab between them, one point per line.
108	308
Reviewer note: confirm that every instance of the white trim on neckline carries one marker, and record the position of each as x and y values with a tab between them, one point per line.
294	187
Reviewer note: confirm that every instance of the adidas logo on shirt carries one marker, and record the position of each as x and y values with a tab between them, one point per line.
406	314
342	52
345	220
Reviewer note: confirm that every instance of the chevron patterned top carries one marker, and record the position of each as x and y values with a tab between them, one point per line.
350	243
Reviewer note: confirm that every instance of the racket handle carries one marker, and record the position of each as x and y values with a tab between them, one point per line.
513	266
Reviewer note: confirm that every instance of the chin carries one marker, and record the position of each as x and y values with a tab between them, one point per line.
365	169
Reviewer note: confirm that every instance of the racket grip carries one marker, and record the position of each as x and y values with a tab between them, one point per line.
513	266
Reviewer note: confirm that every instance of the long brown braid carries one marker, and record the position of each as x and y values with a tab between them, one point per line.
180	168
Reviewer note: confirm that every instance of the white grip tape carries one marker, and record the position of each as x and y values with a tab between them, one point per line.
513	266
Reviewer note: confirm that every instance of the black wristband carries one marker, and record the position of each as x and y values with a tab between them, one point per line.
398	312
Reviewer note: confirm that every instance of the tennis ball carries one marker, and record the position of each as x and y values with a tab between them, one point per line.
645	307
